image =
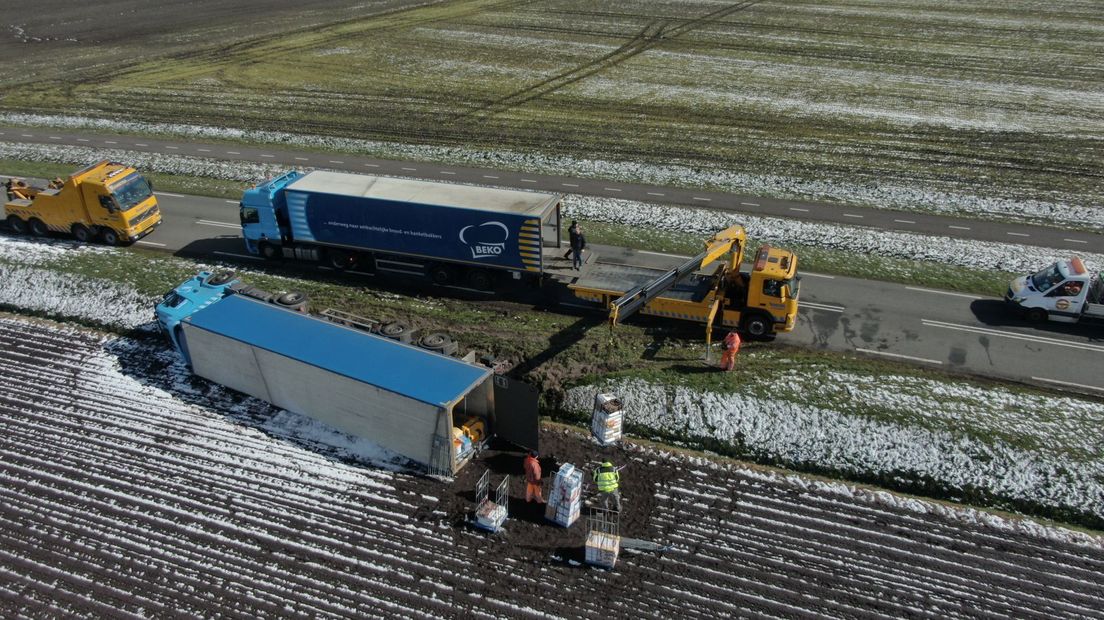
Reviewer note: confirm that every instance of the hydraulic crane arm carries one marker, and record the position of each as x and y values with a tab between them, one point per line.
728	241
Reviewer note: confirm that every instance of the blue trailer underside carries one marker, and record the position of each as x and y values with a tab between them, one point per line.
378	361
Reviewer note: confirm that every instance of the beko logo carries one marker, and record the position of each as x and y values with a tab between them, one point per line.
486	240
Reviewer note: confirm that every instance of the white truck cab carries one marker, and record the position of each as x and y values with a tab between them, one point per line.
1066	292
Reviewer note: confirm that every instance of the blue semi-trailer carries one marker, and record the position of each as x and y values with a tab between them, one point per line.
453	234
414	402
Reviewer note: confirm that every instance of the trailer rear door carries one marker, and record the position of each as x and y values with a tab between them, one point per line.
516	412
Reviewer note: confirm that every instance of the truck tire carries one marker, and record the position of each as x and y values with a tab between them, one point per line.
37	227
480	279
441	274
220	278
81	233
757	325
291	298
269	251
341	259
109	236
397	330
438	342
1036	315
17	225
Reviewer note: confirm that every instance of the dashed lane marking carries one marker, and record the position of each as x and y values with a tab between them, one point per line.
83	140
447	172
371	165
656	194
302	159
938	292
489	176
750	204
232	153
267	155
336	161
799	209
528	180
173	148
168	194
1016	234
904	221
140	144
55	138
1069	384
153	243
855	215
959	227
570	184
1033	338
611	189
818	275
900	356
110	142
702	199
411	169
1075	240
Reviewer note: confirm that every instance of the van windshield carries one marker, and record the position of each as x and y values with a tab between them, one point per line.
131	191
1047	278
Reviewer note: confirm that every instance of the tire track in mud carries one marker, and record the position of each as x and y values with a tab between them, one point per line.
649	37
112	498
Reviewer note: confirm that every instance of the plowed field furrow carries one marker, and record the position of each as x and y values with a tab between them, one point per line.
83	593
854	520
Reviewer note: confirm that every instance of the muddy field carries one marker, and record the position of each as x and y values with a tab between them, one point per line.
130	489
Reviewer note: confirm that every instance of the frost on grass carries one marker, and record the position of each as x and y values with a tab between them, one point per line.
882	194
972	449
64	295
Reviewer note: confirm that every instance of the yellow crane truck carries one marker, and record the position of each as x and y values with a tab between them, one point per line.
761	302
108	201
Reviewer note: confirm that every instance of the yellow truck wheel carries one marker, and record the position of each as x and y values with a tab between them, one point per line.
17	225
81	233
38	227
109	236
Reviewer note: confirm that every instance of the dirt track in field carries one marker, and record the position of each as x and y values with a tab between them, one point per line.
117	499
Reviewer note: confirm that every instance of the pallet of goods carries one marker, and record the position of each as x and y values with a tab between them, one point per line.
602	549
605	422
490	516
566	496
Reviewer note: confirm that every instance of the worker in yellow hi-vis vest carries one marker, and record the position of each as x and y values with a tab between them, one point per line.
608	479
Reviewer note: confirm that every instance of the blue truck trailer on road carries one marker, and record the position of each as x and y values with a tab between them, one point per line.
453	234
422	405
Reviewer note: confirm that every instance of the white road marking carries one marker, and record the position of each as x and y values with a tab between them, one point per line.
27	135
750	204
817	275
611	189
1069	384
105	141
852	215
931	290
817	306
168	194
703	199
489	176
204	150
411	169
959	227
233	202
334	161
302	159
1013	336
1075	240
904	221
528	180
218	224
55	138
267	155
799	209
174	148
237	255
82	140
900	356
140	144
570	184
447	172
153	243
232	153
656	194
372	165
1015	234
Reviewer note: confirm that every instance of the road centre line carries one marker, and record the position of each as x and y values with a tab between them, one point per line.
232	153
528	180
904	221
702	199
817	306
140	144
372	165
218	224
173	195
1031	338
855	215
204	150
83	140
611	189
931	290
750	204
27	135
302	159
489	176
656	194
153	243
447	172
1069	384
818	275
959	227
55	137
237	255
900	356
1016	234
570	184
105	141
411	169
334	161
267	155
173	148
1075	240
799	209
233	202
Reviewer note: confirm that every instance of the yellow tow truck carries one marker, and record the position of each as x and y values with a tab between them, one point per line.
761	302
108	201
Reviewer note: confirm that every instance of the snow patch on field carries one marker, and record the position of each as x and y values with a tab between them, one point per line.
948	198
862	445
64	295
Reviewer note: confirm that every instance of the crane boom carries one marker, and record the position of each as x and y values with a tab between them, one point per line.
730	240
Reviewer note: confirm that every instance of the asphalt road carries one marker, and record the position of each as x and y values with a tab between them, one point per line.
1051	237
949	331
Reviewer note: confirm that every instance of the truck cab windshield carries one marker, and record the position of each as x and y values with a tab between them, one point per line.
1047	278
131	191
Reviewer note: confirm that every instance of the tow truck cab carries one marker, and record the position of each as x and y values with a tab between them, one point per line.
1064	292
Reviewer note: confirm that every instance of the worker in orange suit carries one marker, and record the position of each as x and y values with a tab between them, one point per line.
731	346
533	478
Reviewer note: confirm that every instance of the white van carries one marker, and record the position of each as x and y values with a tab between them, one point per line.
1066	292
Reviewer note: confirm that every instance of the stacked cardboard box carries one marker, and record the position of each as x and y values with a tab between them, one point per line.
602	549
490	516
566	497
605	423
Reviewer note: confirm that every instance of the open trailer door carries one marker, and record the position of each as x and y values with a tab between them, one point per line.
516	413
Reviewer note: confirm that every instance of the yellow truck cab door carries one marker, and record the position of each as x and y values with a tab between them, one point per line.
99	206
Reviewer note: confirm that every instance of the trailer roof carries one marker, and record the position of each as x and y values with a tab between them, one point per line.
387	364
427	192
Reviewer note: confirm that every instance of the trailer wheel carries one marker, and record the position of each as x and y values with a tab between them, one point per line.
437	341
17	225
291	298
269	251
1036	315
81	233
440	274
220	278
340	259
480	279
109	236
38	227
395	329
757	325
